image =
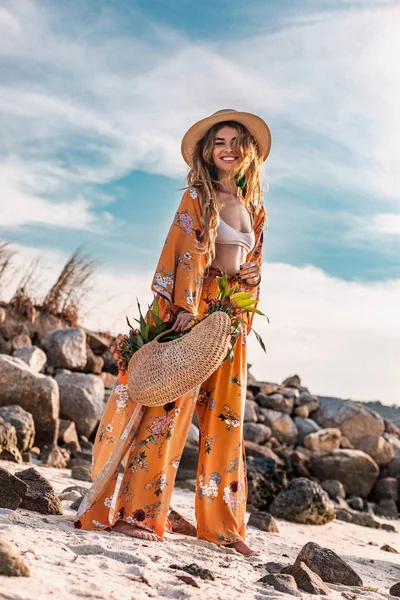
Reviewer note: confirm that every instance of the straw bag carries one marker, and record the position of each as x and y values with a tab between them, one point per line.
160	373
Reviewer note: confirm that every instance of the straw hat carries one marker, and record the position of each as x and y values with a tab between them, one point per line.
257	127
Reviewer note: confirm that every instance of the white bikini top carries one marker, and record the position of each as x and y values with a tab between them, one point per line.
229	235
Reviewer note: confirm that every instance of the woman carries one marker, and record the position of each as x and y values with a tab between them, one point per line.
218	228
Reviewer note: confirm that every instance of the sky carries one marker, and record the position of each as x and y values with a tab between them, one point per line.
94	100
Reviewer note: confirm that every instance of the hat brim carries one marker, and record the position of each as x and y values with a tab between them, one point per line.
256	126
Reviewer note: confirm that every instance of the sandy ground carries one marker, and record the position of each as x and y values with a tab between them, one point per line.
67	563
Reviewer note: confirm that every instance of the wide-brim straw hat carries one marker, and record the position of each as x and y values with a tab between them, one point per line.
256	126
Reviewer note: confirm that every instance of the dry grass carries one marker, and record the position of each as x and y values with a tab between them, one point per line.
6	255
65	297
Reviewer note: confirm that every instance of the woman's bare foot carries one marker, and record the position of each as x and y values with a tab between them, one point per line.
137	532
241	547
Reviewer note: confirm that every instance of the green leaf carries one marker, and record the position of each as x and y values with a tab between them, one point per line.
158	322
259	339
155	308
255	310
128	322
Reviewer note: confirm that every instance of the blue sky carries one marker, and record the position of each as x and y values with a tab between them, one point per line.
95	98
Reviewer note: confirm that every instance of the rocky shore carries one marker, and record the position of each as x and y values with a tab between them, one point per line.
323	479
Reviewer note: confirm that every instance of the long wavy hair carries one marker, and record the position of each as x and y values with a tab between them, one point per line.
203	176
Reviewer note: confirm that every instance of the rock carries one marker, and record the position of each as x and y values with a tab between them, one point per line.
188	463
180	525
282	583
108	380
298	465
281	425
67	433
393	468
356	470
302	412
276	401
346	443
36	393
353	419
264	521
394	441
40	496
257	451
98	343
23	423
328	565
70	496
76	503
33	356
386	488
3	315
324	440
250	412
377	447
11	490
391	428
289	392
11	564
66	348
308	401
395	589
268	388
81	399
335	489
193	435
293	381
303	501
304	428
8	442
5	346
256	432
81	473
356	503
264	481
19	341
363	519
306	579
387	507
94	363
274	567
110	365
52	456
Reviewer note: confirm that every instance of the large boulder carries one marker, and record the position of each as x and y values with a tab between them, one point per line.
276	401
353	419
378	448
66	348
353	468
250	411
36	393
304	427
328	565
23	423
11	563
256	432
81	399
264	481
303	501
34	357
282	426
324	440
8	442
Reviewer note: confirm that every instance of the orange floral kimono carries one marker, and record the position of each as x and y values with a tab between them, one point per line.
148	442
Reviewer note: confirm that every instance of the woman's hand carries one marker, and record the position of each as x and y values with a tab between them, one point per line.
182	321
250	273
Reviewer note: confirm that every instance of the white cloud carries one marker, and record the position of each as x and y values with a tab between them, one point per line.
386	223
327	82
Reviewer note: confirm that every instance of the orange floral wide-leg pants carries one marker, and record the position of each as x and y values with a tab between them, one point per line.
143	497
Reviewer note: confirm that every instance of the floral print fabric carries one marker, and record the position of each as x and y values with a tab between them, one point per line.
142	494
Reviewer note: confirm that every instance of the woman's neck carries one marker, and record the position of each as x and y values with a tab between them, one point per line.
228	186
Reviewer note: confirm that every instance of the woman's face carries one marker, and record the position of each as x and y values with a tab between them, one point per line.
223	156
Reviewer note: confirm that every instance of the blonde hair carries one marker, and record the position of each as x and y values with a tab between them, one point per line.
203	176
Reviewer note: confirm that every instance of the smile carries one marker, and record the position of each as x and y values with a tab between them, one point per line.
228	158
